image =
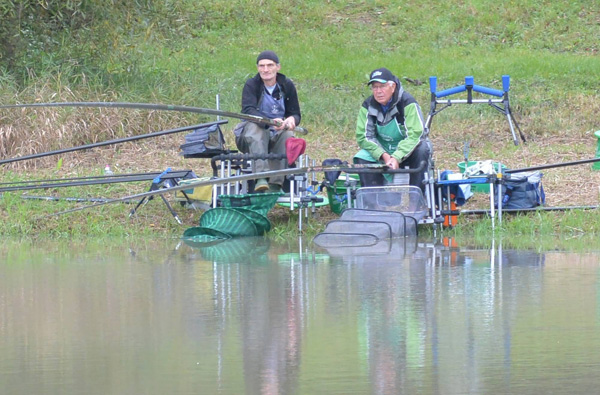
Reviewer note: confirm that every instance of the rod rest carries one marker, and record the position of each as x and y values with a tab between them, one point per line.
469	86
240	160
352	170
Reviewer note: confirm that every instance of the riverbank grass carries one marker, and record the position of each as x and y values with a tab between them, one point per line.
190	53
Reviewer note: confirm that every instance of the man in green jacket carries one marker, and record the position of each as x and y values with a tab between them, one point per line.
390	130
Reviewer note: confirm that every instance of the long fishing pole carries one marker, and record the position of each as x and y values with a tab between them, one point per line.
110	142
196	184
66	199
96	181
524	210
252	176
243	177
160	107
107	176
553	165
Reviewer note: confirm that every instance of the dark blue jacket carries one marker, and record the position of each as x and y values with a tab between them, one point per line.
254	90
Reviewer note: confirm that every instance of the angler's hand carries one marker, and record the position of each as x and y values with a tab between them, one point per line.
285	124
390	161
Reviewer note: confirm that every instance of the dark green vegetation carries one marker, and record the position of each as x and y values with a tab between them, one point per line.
186	52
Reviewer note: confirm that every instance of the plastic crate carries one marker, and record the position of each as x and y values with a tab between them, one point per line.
480	188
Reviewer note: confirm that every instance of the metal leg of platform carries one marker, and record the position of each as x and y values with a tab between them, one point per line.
146	199
492	211
499	189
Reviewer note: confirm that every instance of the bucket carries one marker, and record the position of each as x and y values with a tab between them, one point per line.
482	188
596	165
337	195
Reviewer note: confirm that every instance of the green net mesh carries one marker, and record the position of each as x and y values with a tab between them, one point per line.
240	216
245	249
230	221
259	202
200	236
262	223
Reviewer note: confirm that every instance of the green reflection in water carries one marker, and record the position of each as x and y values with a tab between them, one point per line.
259	316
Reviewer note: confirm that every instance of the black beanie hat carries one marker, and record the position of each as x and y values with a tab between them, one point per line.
267	55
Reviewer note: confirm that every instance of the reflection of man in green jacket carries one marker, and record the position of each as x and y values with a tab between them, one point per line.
390	130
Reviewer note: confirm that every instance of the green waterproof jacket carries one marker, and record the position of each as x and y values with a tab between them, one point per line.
373	126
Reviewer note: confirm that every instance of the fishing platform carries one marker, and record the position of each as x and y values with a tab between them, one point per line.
393	210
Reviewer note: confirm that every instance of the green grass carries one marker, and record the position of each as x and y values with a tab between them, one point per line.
187	52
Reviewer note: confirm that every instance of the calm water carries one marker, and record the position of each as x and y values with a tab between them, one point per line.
245	316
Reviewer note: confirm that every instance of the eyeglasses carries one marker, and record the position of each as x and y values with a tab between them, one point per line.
380	87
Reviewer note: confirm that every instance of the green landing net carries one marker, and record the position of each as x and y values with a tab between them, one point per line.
240	216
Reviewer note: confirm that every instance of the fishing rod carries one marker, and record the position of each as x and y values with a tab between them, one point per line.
137	177
97	180
242	177
160	107
523	210
109	142
190	185
66	199
550	166
107	176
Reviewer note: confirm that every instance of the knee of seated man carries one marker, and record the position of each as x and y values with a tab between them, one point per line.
421	154
423	148
286	134
252	128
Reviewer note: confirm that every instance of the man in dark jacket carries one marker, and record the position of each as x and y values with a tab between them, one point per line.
390	130
272	95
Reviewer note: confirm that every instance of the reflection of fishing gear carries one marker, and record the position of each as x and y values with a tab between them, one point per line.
161	107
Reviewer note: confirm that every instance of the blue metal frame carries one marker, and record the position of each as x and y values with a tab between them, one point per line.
470	87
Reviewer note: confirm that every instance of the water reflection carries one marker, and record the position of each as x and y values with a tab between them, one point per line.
251	315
